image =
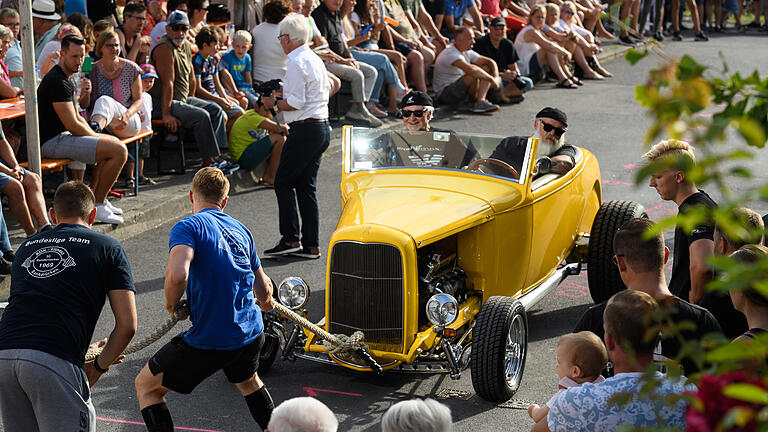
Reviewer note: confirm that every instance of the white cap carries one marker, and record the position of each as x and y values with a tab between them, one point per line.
45	9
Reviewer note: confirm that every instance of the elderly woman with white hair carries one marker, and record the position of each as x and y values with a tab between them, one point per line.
417	415
302	414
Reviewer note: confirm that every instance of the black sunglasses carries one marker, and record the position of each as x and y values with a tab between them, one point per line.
180	27
417	113
549	128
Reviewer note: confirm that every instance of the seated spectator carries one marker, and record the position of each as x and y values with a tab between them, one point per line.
156	12
198	11
462	75
591	407
85	25
100	27
7	90
269	64
515	14
573	43
361	76
436	10
158	31
256	137
581	358
417	415
456	10
10	19
641	265
148	76
172	58
67	135
751	302
569	22
405	39
302	414
45	23
304	7
237	62
50	54
384	68
501	50
748	230
536	50
207	83
134	46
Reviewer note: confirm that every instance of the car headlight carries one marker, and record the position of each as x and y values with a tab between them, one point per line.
293	292
442	309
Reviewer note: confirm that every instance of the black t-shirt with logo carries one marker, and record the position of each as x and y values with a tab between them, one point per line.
679	311
59	282
680	284
504	55
55	87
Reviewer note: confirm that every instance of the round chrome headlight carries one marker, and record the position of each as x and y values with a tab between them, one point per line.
293	292
442	309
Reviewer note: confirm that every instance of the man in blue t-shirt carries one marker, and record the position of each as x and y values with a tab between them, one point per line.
59	282
213	259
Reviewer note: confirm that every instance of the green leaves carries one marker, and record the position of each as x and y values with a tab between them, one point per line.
747	393
633	56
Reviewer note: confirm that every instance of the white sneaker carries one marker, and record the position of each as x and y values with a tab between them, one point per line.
115	210
105	215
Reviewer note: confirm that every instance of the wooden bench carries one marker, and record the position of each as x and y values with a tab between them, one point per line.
50	165
162	131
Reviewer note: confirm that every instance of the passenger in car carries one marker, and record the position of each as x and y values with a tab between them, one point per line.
549	127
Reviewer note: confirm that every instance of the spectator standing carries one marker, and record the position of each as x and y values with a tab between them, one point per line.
227	330
641	266
237	62
68	136
361	76
269	64
173	100
51	316
427	415
10	19
303	414
106	9
45	23
751	302
501	50
590	407
690	272
305	108
462	75
135	46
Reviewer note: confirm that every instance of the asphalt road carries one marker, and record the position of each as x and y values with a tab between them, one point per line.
603	117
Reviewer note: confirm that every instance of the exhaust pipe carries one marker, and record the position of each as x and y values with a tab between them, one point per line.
535	295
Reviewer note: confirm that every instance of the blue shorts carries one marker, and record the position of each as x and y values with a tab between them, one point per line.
403	48
5	178
533	65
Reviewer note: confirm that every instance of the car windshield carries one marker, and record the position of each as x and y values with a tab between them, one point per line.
372	149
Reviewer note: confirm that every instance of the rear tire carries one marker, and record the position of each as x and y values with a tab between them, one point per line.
499	348
603	276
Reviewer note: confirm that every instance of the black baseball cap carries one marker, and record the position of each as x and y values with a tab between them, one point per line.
554	114
416	98
498	21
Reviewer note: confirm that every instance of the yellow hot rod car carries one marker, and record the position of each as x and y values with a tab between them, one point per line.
440	250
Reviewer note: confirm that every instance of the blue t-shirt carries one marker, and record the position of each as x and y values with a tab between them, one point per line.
237	67
457	10
205	69
589	408
223	310
59	282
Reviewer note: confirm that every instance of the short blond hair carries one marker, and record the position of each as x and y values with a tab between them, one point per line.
537	8
670	149
587	351
242	36
552	8
211	184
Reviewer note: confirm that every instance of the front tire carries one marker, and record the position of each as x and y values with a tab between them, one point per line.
269	351
499	348
602	274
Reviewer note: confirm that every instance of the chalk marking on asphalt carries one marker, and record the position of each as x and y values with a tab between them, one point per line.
521	404
616	183
447	393
312	391
632	166
142	424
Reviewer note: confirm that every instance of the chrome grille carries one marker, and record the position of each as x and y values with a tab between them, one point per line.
366	293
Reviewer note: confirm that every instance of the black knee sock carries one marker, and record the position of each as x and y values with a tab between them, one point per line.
260	404
157	418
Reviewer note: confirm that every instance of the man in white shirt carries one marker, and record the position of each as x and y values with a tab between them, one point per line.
304	104
463	75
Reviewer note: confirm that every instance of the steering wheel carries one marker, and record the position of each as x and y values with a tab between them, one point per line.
475	166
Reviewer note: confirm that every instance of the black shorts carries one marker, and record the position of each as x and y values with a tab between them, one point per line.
184	367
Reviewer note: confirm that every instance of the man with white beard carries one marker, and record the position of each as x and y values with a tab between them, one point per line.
549	127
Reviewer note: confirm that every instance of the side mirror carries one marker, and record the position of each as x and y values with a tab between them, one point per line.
543	166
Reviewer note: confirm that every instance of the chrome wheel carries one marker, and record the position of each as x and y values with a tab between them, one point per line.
514	354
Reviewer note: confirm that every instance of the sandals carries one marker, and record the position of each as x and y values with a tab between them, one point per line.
146	181
130	183
566	83
574	79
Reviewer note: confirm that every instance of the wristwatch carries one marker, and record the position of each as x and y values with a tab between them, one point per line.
97	367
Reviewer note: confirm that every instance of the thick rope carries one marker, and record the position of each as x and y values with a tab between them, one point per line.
181	313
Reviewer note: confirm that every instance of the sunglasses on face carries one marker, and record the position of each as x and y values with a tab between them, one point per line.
180	28
568	12
417	113
549	128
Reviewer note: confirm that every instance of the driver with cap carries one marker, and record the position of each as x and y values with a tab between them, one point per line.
417	109
549	127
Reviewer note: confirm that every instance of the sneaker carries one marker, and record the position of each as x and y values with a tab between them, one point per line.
308	252
484	106
658	36
376	111
105	215
283	249
753	25
701	37
676	36
115	210
625	40
358	113
516	99
227	167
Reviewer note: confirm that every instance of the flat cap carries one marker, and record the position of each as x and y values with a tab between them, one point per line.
554	114
416	98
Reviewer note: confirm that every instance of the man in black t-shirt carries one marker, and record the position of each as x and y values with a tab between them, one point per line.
59	282
641	266
66	135
690	272
496	46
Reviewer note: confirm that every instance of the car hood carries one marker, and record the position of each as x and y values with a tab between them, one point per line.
425	208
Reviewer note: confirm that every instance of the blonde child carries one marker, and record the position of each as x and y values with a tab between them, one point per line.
238	63
581	357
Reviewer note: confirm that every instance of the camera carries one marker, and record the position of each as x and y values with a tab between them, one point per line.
267	87
519	83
